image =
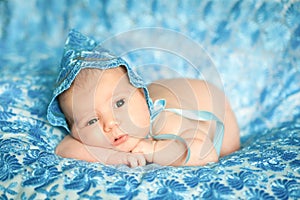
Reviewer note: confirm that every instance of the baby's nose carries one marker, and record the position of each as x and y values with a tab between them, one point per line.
110	125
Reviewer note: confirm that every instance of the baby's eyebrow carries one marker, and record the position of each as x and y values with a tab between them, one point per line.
123	93
85	117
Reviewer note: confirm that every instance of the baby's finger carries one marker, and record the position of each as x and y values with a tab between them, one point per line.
141	160
132	161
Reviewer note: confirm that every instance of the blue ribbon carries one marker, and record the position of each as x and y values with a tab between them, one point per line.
159	106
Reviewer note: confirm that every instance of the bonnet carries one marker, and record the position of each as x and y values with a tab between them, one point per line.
82	52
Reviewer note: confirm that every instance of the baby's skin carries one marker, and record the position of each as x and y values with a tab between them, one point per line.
109	121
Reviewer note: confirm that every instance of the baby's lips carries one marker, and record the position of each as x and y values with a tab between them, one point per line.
119	140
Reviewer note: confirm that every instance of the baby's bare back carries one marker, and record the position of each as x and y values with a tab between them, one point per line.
194	94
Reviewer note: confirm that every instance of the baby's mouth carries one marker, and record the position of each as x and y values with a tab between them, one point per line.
119	140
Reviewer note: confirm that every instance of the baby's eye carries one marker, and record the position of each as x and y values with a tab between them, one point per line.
120	103
92	121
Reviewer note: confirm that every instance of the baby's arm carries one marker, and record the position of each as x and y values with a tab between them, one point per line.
174	152
72	148
163	152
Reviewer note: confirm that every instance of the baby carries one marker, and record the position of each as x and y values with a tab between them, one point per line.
112	119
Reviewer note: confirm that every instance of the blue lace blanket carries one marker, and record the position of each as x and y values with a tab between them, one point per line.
254	46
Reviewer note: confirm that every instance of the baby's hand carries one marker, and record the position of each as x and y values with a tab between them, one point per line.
130	159
145	147
135	160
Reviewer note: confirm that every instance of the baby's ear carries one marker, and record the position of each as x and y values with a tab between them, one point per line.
123	68
141	90
70	125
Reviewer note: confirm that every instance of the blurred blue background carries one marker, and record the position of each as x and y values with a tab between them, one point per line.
254	45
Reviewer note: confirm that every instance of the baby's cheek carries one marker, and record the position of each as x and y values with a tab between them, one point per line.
93	136
139	114
132	121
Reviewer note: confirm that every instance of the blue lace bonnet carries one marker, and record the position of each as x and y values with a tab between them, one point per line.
82	52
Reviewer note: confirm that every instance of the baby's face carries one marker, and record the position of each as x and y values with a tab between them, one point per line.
107	110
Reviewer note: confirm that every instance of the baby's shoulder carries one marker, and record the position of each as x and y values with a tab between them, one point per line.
176	86
178	82
183	86
189	94
182	93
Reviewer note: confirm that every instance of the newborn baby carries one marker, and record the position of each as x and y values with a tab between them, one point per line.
112	119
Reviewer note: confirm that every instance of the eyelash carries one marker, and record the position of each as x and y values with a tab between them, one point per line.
116	104
92	121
